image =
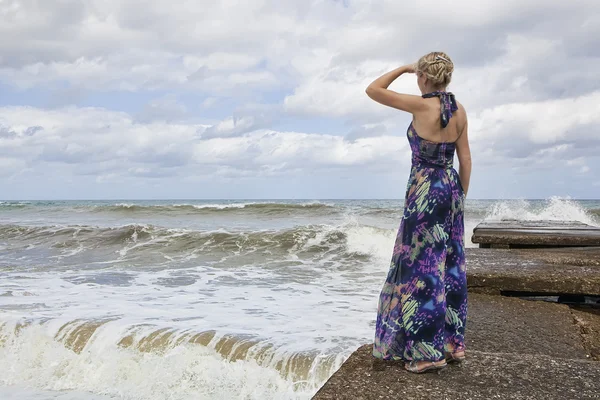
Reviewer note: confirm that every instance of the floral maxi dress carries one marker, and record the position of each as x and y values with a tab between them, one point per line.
423	304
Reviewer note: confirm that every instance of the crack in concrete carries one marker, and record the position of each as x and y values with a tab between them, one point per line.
584	332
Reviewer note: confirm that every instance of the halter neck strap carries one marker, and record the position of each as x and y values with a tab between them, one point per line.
447	105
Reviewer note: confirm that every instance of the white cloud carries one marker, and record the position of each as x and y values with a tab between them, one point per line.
340	92
112	143
544	122
209	102
10	166
166	108
231	127
108	44
275	84
299	150
108	144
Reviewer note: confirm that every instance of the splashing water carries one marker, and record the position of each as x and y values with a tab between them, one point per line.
553	209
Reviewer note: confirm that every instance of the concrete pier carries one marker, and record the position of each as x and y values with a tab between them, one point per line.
516	348
523	234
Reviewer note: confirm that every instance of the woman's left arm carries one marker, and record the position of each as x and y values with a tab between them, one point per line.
378	91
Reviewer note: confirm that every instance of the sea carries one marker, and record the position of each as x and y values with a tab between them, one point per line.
200	299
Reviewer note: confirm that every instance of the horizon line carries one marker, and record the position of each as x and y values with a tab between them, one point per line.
275	198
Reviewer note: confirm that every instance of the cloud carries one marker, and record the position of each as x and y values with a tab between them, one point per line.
145	90
10	166
166	108
99	141
111	45
108	45
231	127
86	136
512	47
367	130
540	123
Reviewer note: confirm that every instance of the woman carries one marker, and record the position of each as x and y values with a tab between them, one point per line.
423	305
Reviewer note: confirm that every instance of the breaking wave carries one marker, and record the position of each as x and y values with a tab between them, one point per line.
349	239
553	209
113	358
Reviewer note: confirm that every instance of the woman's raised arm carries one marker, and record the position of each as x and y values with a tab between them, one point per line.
378	91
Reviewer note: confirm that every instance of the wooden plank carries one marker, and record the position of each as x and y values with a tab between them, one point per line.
514	233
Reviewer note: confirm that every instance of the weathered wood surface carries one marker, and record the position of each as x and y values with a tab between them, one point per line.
515	233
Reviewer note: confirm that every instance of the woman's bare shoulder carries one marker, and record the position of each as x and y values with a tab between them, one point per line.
461	116
461	109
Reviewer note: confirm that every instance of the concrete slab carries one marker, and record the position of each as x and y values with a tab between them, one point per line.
516	349
572	271
587	321
511	325
516	233
485	376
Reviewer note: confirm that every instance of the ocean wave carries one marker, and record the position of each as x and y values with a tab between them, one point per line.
349	239
553	209
393	212
113	357
14	204
176	209
247	208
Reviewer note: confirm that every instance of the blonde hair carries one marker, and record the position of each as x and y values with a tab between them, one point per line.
437	66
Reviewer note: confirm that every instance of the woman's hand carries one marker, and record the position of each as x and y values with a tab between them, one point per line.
410	68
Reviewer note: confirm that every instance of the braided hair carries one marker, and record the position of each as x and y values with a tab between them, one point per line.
438	68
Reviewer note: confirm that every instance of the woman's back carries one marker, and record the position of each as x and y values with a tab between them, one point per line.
428	126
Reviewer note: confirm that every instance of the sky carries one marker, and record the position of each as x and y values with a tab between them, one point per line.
265	99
